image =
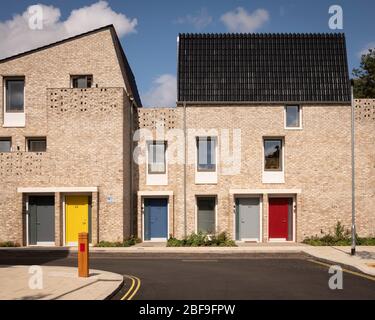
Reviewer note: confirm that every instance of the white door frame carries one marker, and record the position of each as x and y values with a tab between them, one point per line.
294	209
246	196
63	196
158	196
39	243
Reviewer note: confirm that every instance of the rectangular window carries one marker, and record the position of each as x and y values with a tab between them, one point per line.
36	144
206	215
156	157
14	95
5	144
82	81
273	154
206	147
292	116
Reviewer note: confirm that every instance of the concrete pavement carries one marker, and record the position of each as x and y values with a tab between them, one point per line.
364	260
56	283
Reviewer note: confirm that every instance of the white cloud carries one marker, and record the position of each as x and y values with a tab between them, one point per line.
98	14
16	35
199	21
239	20
163	92
370	45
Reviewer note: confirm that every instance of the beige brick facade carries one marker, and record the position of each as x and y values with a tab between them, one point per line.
365	165
317	165
89	151
87	133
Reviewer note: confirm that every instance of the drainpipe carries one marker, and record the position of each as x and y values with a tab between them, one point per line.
353	172
131	166
185	163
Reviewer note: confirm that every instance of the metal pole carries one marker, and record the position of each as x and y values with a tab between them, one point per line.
353	174
185	162
131	181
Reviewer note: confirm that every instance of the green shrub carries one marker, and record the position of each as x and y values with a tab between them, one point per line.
340	236
201	239
109	244
196	240
222	240
173	242
131	241
366	241
9	244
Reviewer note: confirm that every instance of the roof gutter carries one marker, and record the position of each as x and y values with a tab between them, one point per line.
255	103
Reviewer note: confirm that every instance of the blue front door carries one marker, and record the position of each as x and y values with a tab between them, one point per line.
156	219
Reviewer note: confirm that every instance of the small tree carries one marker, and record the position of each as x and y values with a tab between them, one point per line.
364	76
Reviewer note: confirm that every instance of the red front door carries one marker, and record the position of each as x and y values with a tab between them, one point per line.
278	218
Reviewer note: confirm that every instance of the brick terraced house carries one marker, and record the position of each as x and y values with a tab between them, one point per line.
258	145
283	103
65	140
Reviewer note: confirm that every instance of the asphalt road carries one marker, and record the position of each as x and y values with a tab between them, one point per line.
215	277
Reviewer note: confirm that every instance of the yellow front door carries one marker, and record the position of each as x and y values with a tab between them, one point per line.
76	217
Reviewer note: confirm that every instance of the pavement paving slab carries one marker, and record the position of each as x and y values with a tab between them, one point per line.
56	283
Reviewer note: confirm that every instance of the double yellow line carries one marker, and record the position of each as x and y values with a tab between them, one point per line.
136	283
362	275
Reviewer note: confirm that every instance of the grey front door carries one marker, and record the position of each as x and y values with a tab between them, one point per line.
41	219
247	219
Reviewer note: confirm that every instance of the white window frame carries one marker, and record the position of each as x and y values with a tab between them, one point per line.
155	178
14	119
300	127
273	176
206	177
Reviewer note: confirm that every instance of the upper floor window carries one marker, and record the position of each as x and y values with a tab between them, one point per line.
293	117
36	144
206	151
273	149
14	95
81	81
5	144
156	156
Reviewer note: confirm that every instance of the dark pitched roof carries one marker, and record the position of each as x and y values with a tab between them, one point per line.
263	68
129	73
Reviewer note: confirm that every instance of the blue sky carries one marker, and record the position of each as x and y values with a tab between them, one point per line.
150	28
